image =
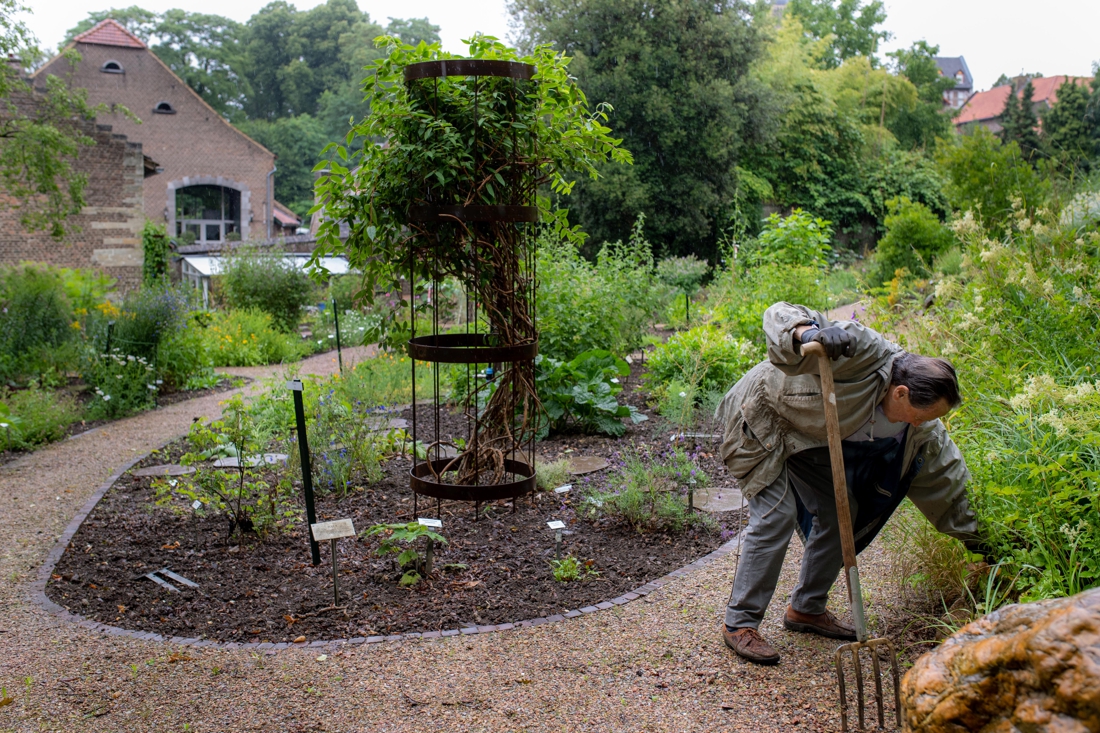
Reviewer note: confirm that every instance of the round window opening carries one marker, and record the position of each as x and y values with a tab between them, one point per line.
164	108
111	67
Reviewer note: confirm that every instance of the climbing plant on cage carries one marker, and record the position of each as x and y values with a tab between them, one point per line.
451	142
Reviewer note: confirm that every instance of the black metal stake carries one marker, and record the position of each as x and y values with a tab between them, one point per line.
687	310
336	324
307	472
335	582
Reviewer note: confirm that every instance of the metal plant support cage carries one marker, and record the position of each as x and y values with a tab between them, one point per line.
490	249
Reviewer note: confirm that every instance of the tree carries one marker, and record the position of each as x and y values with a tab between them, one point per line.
297	143
413	31
985	175
205	51
847	26
1019	123
1070	132
920	126
676	75
40	136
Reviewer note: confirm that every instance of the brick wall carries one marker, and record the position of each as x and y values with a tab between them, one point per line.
194	146
106	234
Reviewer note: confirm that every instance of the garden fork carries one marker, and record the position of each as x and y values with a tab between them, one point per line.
851	569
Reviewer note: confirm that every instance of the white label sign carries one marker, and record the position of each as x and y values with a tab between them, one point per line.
563	489
433	523
556	524
196	504
332	530
294	385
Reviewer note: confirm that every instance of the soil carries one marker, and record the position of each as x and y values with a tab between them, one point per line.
495	567
80	391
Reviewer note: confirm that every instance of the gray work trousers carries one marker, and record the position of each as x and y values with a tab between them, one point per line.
772	518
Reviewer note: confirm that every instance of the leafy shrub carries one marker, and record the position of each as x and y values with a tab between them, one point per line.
650	492
684	274
244	495
35	416
582	393
402	539
798	240
35	320
705	358
268	282
985	175
86	288
583	306
248	338
183	358
915	237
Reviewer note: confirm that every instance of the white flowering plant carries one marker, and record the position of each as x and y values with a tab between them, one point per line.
1018	322
119	384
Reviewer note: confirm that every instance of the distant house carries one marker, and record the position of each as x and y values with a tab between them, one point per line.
216	183
954	67
986	108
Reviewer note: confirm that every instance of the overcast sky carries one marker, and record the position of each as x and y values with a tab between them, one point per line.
995	36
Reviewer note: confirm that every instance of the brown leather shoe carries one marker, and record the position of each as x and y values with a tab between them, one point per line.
750	645
822	624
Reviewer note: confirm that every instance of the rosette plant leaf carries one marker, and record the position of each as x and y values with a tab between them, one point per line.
433	143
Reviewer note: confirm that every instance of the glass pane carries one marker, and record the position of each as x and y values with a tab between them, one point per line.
193	229
213	233
199	202
232	205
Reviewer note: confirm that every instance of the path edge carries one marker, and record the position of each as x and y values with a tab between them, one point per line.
39	598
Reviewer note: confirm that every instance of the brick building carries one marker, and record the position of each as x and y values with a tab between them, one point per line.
216	183
106	234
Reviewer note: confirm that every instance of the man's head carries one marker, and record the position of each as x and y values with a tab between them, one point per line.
922	388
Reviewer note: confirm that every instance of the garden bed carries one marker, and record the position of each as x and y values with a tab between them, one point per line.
495	568
81	394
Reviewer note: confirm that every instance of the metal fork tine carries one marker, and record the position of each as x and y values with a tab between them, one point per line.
843	690
859	686
897	683
878	686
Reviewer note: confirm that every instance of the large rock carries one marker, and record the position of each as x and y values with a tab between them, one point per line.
1023	669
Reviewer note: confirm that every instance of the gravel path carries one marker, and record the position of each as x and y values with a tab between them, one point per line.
657	664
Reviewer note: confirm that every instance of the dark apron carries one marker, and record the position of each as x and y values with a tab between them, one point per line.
873	470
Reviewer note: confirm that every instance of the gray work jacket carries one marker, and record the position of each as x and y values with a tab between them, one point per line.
775	410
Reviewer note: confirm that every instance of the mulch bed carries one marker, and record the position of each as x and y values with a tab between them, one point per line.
494	569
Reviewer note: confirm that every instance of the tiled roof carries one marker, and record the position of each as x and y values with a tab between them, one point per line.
285	216
110	32
990	105
984	105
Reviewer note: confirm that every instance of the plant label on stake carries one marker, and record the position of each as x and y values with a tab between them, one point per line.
563	489
333	531
557	525
429	553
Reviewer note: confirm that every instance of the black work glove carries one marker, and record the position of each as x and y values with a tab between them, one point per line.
836	340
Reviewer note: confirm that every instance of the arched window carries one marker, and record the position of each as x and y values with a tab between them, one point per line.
164	108
112	67
208	213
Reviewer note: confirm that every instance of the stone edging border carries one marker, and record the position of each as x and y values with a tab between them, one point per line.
45	571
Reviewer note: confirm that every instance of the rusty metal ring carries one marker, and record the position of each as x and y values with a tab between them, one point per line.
467	348
469	67
457	492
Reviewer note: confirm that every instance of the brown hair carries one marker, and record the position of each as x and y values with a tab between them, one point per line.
929	379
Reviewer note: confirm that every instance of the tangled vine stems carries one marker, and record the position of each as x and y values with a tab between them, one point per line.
463	141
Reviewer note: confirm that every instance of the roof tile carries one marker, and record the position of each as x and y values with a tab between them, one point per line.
110	32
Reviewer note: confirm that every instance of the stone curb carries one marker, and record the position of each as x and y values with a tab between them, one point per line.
38	597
